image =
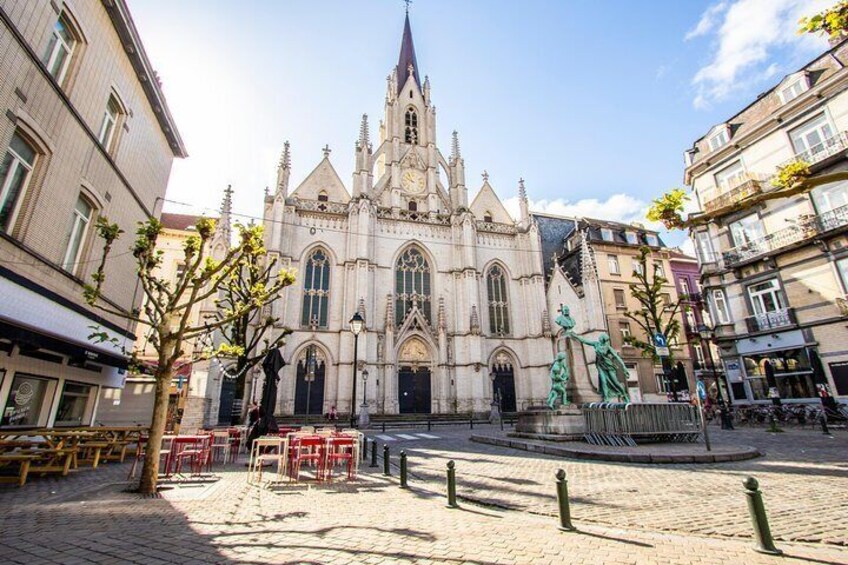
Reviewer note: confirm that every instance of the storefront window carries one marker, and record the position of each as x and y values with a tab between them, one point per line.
787	371
26	401
73	404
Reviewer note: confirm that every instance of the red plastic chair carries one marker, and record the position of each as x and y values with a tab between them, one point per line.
310	450
195	449
342	450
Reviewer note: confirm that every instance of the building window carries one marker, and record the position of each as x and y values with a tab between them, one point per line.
666	299
720	307
322	197
659	271
684	287
663	385
110	125
498	303
27	401
60	48
765	297
74	405
180	272
830	197
487	217
612	261
718	140
690	319
652	240
413	206
316	290
842	267
812	138
606	234
76	236
631	237
624	328
411	121
14	174
730	177
618	294
699	353
705	247
637	267
748	230
412	284
791	92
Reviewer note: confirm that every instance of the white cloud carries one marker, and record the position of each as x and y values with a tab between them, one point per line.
687	247
708	21
745	39
618	207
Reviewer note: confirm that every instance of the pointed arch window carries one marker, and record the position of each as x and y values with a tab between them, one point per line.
316	290
412	284
411	122
498	303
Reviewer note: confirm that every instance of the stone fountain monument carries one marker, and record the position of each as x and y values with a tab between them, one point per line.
562	417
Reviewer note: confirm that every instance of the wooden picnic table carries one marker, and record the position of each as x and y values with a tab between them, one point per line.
36	455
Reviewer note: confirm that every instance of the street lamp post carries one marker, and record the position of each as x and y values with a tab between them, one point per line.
357	324
707	334
495	412
364	419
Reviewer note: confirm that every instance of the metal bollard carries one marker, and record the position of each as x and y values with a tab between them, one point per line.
386	469
403	470
762	532
472	421
374	453
429	425
562	498
384	426
452	485
363	448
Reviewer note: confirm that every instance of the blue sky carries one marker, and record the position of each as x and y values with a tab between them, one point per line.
593	103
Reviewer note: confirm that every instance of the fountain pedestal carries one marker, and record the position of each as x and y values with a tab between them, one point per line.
566	423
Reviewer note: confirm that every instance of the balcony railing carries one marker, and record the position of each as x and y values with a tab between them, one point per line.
806	228
771	320
821	151
694	297
738	189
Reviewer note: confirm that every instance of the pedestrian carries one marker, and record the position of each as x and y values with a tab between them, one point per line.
333	415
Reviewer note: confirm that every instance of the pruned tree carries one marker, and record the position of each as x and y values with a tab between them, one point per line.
167	305
248	338
655	313
832	22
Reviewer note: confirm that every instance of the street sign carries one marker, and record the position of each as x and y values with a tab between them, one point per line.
661	345
702	390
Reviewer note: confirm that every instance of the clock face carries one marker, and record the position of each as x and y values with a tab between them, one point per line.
412	181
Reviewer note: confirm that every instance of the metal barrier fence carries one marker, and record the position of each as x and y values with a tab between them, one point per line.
611	423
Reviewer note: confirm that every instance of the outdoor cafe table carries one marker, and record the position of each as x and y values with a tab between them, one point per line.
177	444
55	452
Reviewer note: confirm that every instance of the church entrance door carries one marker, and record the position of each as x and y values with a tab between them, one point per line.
309	387
414	390
504	387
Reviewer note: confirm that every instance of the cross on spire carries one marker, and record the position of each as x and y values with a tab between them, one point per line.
326	151
485	176
407	2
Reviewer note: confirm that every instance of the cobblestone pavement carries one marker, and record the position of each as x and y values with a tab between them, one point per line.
87	518
803	476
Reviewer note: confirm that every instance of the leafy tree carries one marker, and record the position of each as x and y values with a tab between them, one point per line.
246	340
168	305
655	314
833	22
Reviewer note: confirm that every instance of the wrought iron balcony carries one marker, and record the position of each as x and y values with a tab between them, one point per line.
693	297
738	189
821	151
806	228
771	320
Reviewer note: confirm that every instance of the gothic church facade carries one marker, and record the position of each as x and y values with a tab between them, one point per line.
452	292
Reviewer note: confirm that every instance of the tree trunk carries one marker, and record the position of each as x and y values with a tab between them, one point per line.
150	470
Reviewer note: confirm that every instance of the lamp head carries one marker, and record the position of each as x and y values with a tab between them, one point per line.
357	324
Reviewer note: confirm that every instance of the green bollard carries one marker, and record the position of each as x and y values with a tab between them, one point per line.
386	469
762	532
403	470
373	453
562	498
452	485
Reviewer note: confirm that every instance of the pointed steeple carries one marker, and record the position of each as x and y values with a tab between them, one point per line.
284	171
223	229
523	205
455	154
407	61
363	132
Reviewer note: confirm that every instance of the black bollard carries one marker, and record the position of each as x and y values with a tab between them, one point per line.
403	470
429	425
472	421
364	450
387	471
562	498
373	453
452	485
762	532
384	426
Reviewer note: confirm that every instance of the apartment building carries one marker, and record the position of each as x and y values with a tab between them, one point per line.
775	271
84	132
592	272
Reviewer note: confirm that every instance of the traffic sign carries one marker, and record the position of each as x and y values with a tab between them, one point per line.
661	345
702	390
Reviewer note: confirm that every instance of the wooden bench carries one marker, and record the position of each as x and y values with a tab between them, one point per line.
23	461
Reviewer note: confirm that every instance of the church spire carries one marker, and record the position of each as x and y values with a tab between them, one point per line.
283	171
406	61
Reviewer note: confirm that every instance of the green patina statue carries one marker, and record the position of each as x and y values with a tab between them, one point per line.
606	359
559	378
